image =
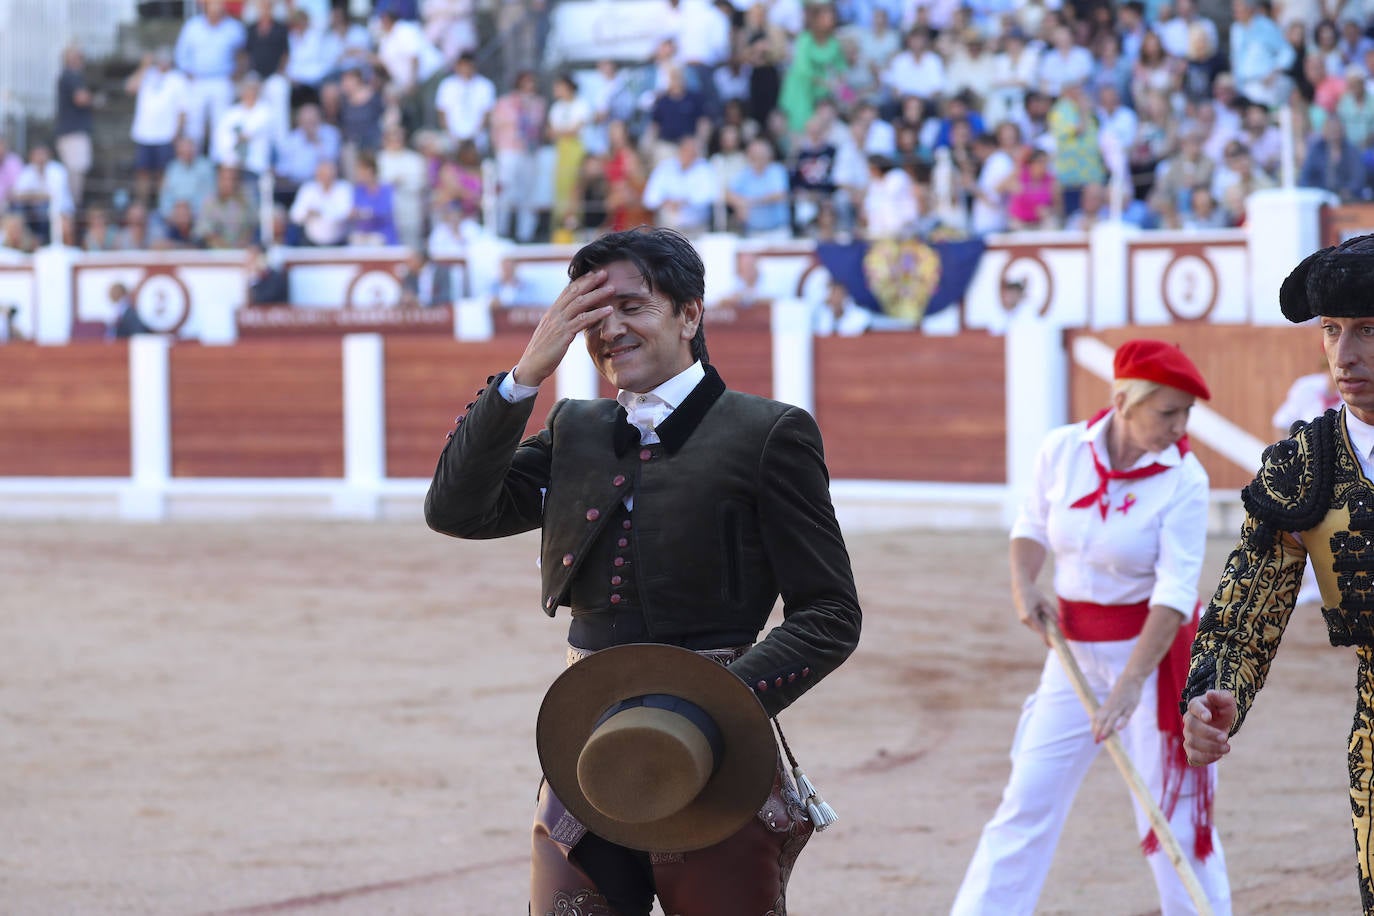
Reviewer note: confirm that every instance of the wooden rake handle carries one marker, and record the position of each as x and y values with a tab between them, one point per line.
1134	781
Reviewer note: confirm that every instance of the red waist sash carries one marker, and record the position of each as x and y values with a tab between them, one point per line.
1083	621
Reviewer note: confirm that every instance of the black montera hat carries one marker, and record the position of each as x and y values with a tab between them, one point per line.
1337	282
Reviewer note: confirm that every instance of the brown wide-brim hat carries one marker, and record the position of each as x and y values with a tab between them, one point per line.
662	782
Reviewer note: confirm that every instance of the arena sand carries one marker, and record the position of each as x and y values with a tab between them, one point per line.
337	718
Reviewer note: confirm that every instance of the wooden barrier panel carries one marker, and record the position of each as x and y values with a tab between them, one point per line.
64	411
902	406
427	384
258	409
1248	369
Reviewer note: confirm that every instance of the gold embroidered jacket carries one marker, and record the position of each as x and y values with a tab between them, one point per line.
1309	485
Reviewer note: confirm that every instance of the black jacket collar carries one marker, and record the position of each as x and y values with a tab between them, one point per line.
673	432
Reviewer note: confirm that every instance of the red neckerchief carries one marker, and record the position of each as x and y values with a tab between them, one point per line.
1105	475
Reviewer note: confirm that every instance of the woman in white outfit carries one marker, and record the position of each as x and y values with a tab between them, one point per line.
1122	504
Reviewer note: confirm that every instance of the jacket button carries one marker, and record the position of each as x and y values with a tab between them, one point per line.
791	677
778	682
618	561
762	686
623	542
448	435
625	524
618	481
615	599
568	559
593	514
644	453
490	379
806	672
616	580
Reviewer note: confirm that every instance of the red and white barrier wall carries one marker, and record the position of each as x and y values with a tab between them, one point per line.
936	427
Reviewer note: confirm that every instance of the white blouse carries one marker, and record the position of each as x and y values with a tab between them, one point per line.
1151	544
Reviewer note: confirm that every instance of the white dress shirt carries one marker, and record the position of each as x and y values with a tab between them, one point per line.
1362	441
465	103
323	214
157	107
1151	544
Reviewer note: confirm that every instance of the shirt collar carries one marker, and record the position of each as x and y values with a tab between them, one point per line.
1096	433
1361	434
672	392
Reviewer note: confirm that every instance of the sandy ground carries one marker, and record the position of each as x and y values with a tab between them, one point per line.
337	719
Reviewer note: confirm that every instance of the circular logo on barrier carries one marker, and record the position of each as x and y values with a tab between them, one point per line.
162	302
375	288
1189	287
1032	275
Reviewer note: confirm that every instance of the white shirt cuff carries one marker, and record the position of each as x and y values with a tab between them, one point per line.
513	391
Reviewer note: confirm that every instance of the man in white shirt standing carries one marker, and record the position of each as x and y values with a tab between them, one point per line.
322	207
408	57
159	98
246	134
702	35
996	166
463	101
205	52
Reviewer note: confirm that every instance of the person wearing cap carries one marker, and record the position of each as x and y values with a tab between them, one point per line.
1311	498
1121	503
674	514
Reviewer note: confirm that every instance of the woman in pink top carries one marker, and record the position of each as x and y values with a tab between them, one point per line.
1034	202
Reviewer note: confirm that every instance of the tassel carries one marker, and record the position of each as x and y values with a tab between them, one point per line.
822	815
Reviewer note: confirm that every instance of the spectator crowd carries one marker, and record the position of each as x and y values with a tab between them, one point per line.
286	122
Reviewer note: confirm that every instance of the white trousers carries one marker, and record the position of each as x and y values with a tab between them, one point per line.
1050	755
207	98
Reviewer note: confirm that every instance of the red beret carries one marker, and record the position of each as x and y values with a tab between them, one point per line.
1157	361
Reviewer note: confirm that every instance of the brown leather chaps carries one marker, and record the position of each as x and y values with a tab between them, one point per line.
743	875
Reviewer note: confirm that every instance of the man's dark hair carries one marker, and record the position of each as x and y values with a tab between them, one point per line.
666	259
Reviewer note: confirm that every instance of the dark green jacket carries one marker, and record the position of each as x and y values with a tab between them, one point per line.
731	510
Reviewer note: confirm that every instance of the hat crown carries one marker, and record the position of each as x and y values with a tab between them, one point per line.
644	764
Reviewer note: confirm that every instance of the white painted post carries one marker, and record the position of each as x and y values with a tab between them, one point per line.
577	376
266	215
1037	398
150	428
1283	226
1107	247
794	364
54	301
364	408
472	319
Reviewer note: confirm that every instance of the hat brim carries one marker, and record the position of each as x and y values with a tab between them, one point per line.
736	790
